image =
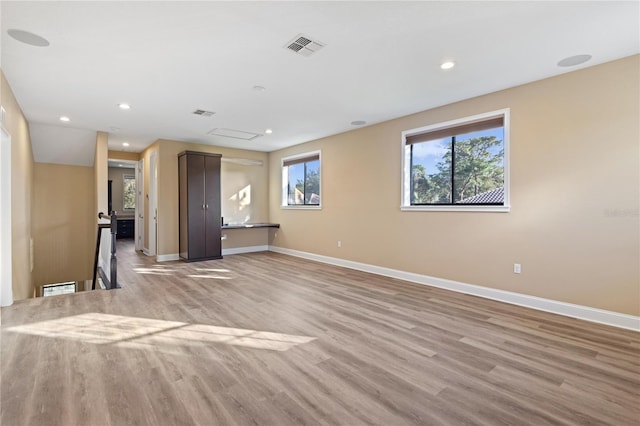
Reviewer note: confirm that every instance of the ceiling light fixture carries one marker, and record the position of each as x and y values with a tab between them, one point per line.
447	65
125	143
124	106
259	88
28	38
65	119
268	131
572	61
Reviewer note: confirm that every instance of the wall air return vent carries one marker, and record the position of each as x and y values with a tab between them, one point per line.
203	113
235	134
304	45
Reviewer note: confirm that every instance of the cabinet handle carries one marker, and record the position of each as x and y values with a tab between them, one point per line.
203	207
206	206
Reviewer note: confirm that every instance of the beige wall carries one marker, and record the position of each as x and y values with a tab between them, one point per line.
121	155
21	192
101	172
573	224
116	176
64	224
243	190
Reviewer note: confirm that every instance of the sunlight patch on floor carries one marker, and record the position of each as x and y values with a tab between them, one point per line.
145	333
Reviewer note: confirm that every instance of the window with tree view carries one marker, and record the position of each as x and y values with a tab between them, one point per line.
301	180
459	164
129	193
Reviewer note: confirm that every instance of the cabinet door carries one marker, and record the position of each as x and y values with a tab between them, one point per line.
196	206
212	202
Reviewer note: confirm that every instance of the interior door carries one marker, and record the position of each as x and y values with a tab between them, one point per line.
152	222
139	214
6	291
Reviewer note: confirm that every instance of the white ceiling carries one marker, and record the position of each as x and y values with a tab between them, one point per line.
381	61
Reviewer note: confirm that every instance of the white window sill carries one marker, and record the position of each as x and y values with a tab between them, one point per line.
301	207
467	208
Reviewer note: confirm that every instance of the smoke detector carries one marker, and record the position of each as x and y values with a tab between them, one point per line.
304	45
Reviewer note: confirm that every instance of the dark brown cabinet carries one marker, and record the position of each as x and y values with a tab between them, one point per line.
199	183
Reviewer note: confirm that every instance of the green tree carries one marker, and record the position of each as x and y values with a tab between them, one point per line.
310	186
478	168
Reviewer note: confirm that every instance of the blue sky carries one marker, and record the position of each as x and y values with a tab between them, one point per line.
296	171
430	153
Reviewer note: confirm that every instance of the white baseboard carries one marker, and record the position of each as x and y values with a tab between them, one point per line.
586	313
248	249
167	257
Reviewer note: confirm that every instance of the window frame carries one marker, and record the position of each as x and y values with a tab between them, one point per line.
405	189
125	178
285	181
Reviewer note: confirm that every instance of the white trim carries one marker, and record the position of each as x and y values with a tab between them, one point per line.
301	207
284	204
457	208
586	313
247	249
6	254
405	201
167	257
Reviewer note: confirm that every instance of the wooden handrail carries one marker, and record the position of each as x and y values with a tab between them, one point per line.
112	281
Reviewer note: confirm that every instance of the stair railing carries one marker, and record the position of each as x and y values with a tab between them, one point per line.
111	282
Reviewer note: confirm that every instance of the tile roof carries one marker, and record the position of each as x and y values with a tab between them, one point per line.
492	196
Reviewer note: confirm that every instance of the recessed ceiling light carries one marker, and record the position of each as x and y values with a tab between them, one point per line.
125	143
124	106
447	65
358	123
65	118
28	38
268	131
572	61
259	88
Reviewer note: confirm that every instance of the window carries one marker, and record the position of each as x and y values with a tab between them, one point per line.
129	193
458	165
301	180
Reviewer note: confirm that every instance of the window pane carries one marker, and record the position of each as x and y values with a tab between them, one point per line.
312	183
296	184
129	193
479	167
431	172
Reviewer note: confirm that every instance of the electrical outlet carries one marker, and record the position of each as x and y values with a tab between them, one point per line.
339	243
517	268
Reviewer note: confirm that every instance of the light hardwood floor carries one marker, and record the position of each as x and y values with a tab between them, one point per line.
268	339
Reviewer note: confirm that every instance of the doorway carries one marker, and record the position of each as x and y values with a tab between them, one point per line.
123	188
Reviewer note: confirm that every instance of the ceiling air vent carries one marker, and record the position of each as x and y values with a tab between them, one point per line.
203	113
304	45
